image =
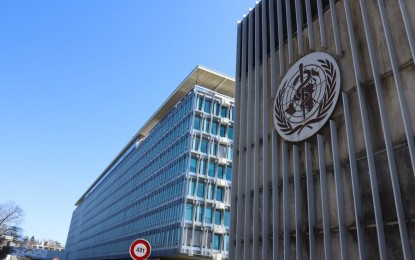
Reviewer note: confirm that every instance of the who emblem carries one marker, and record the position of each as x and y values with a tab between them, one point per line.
306	96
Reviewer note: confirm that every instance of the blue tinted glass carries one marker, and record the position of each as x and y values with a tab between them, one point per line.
193	163
223	112
222	130
202	167
208	215
191	188
216	242
211	171
199	214
214	130
220	171
207	106
204	146
230	133
189	210
213	148
196	124
201	190
210	192
218	217
206	126
195	143
199	103
229	173
227	218
219	194
217	106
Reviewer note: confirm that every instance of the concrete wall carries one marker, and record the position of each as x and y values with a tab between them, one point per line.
383	183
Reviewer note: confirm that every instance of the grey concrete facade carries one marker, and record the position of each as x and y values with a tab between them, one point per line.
346	192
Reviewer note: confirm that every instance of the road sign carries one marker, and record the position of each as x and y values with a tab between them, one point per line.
55	258
140	249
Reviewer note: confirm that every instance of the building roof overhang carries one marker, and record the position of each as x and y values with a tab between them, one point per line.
200	76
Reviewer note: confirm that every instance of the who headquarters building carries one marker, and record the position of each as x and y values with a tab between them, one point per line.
324	131
170	185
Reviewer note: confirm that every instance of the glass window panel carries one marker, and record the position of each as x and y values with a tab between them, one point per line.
230	153
193	163
222	151
213	148
229	173
220	171
218	217
211	171
199	214
206	125
217	107
227	218
214	129
222	130
230	133
189	210
196	143
201	190
191	188
210	192
219	194
204	146
208	104
202	169
196	123
208	215
224	112
199	103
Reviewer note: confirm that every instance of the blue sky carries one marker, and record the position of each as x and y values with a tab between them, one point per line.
79	78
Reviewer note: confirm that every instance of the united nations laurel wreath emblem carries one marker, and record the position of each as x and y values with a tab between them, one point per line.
306	96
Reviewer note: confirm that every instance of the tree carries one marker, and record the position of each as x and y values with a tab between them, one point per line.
10	217
10	213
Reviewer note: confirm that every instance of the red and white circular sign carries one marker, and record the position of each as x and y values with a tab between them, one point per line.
140	249
55	258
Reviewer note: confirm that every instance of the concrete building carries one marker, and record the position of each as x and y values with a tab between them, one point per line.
171	183
324	142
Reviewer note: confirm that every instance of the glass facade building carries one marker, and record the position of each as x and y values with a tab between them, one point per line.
170	185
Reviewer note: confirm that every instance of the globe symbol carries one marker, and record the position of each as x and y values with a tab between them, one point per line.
307	96
303	93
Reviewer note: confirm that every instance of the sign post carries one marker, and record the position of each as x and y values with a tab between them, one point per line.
140	249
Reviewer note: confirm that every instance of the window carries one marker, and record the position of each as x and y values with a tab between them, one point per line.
199	213
218	217
222	131
201	190
189	212
199	103
202	169
195	144
219	194
213	148
191	190
204	146
230	133
210	192
220	171
222	151
214	129
230	153
227	218
193	163
216	242
216	108
208	215
196	123
233	114
224	112
206	125
207	106
211	171
229	173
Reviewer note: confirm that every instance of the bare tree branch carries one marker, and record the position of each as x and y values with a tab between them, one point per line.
10	213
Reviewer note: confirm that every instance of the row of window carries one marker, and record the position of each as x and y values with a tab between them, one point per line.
212	147
214	107
213	127
202	213
208	190
205	239
205	167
